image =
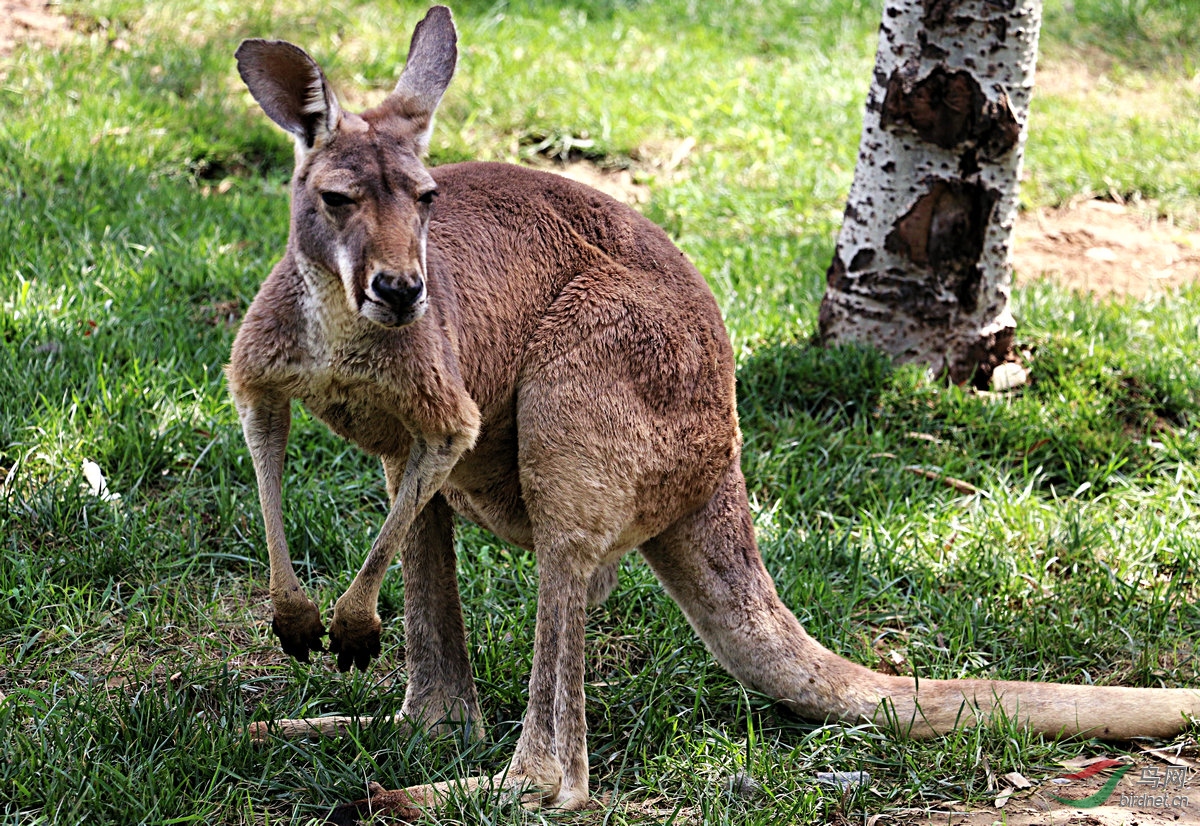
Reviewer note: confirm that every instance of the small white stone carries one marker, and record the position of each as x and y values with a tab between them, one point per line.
1101	254
1008	376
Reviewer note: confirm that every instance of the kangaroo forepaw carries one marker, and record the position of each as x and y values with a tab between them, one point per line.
355	644
299	631
395	805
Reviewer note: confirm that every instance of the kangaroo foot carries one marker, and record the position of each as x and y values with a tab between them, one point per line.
298	626
408	804
566	800
395	805
541	784
533	795
355	639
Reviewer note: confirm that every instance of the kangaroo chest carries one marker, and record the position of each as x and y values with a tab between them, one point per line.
354	409
484	487
338	376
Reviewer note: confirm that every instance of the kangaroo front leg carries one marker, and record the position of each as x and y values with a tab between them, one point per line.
441	688
355	629
266	421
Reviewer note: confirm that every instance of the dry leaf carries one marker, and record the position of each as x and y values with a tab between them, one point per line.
1094	767
1173	759
1081	762
1017	780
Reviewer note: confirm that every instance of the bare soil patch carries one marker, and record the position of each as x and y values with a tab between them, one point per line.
661	160
1105	248
30	21
616	183
1145	796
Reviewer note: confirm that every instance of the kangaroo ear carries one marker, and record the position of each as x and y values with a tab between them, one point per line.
291	88
432	56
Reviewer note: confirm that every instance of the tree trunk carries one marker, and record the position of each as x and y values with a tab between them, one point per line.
921	267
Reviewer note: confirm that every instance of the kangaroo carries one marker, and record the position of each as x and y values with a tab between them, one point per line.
542	360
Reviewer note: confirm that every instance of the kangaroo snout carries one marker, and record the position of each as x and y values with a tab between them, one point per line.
404	295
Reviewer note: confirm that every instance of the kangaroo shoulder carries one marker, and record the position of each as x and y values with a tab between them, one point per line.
272	332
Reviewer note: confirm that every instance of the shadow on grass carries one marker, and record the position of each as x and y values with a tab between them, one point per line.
1091	417
839	383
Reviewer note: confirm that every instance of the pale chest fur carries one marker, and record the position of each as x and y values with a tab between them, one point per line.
338	374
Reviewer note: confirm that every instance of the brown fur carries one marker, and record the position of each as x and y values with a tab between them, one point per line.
560	374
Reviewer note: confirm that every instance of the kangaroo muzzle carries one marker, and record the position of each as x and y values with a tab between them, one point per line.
402	295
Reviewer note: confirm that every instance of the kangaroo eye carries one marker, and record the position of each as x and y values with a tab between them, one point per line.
427	196
336	199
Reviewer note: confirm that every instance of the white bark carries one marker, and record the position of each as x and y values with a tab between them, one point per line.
921	268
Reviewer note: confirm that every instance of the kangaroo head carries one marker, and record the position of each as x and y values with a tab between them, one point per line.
361	197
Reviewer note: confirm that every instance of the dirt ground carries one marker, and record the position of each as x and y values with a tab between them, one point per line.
1137	800
24	20
1104	248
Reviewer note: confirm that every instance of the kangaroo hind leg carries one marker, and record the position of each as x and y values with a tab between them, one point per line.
709	563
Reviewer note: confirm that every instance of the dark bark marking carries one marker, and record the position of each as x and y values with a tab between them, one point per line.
968	164
826	319
930	51
949	109
862	259
999	28
937	12
982	358
914	294
944	232
835	276
966	287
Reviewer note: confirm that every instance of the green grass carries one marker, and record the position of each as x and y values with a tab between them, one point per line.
142	200
1124	122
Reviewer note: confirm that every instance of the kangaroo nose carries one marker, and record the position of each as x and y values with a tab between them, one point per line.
397	293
